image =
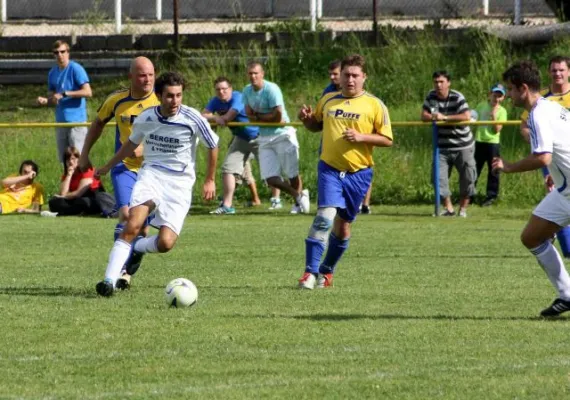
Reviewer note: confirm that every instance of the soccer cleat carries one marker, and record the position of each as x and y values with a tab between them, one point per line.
124	282
488	202
558	307
295	209
307	281
134	262
275	203
462	213
447	213
105	288
324	281
364	209
222	210
304	202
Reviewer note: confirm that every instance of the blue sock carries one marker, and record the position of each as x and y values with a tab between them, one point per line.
336	249
118	229
563	237
314	250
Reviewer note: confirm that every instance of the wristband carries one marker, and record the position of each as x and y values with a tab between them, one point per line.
64	94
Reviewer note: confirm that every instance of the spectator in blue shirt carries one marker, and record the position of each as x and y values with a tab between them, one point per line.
227	106
68	87
334	75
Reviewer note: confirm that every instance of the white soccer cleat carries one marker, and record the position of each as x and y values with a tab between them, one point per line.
48	214
307	281
304	202
295	209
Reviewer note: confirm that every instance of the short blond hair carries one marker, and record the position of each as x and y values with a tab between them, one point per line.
58	43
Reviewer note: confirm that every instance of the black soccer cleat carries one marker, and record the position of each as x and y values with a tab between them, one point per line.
124	282
558	307
104	288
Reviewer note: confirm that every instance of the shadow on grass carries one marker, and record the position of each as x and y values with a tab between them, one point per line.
439	317
59	291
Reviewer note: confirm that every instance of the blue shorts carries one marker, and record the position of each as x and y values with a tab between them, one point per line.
123	180
343	190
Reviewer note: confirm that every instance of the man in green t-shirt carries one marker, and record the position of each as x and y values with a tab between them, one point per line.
487	139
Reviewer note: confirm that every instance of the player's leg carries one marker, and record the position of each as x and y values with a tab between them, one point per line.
287	151
355	187
465	164
330	197
365	208
547	219
480	159
122	248
232	166
123	181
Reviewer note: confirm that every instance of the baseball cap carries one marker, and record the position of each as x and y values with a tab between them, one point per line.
499	88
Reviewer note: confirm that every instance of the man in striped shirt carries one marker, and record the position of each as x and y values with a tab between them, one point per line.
455	142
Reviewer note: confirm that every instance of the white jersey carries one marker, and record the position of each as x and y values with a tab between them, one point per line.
549	125
170	143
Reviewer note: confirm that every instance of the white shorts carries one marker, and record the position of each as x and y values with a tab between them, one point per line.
554	208
171	193
279	155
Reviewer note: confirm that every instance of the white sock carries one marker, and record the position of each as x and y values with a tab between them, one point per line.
117	258
550	260
147	245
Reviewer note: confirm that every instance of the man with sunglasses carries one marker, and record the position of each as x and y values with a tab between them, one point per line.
68	87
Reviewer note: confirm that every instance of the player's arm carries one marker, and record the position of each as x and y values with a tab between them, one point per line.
35	208
126	150
464	116
309	120
83	188
93	135
14	180
209	190
426	115
275	115
530	163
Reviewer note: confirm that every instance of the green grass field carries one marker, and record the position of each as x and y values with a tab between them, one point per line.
422	308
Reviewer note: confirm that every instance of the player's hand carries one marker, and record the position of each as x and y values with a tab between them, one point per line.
84	163
54	99
305	112
498	165
549	183
138	151
101	171
31	175
438	117
42	101
351	135
209	190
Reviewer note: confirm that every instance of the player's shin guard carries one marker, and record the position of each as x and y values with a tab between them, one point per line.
117	258
336	249
314	250
563	237
118	229
550	260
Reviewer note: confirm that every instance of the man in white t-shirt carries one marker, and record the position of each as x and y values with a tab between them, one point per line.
170	134
549	125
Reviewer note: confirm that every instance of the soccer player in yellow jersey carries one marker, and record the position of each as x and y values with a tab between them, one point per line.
353	122
19	193
124	106
559	92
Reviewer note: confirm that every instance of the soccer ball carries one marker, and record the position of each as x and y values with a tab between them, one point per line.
181	292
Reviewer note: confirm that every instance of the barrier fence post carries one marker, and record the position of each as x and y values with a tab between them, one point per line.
435	169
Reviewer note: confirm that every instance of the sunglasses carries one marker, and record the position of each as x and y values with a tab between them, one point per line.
56	52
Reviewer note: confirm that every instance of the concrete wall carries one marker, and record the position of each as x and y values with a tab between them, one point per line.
137	9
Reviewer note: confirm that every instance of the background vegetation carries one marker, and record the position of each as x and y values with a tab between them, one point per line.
399	73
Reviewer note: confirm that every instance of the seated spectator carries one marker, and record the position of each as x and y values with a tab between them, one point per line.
77	189
20	193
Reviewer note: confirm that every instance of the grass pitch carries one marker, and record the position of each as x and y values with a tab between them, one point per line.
422	308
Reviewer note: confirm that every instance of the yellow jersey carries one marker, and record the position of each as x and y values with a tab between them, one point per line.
364	113
563	99
124	109
16	196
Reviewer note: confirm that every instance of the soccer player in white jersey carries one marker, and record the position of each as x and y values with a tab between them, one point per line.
163	189
549	125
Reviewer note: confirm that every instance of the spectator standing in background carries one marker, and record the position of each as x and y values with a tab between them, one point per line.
68	87
455	142
487	139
